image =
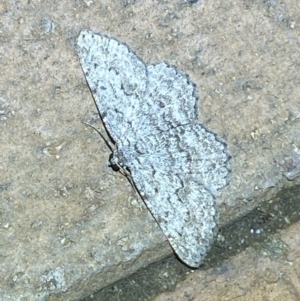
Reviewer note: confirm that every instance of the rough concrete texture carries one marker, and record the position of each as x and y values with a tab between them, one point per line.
269	271
70	225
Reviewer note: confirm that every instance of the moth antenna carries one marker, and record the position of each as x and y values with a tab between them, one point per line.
105	140
123	171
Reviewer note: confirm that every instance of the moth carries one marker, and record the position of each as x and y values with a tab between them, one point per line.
177	165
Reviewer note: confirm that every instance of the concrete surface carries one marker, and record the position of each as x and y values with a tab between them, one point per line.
69	224
269	271
257	231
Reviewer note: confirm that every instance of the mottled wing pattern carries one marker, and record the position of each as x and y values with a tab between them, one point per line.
151	112
177	178
117	79
159	96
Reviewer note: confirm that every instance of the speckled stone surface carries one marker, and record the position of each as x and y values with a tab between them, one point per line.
268	271
70	225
